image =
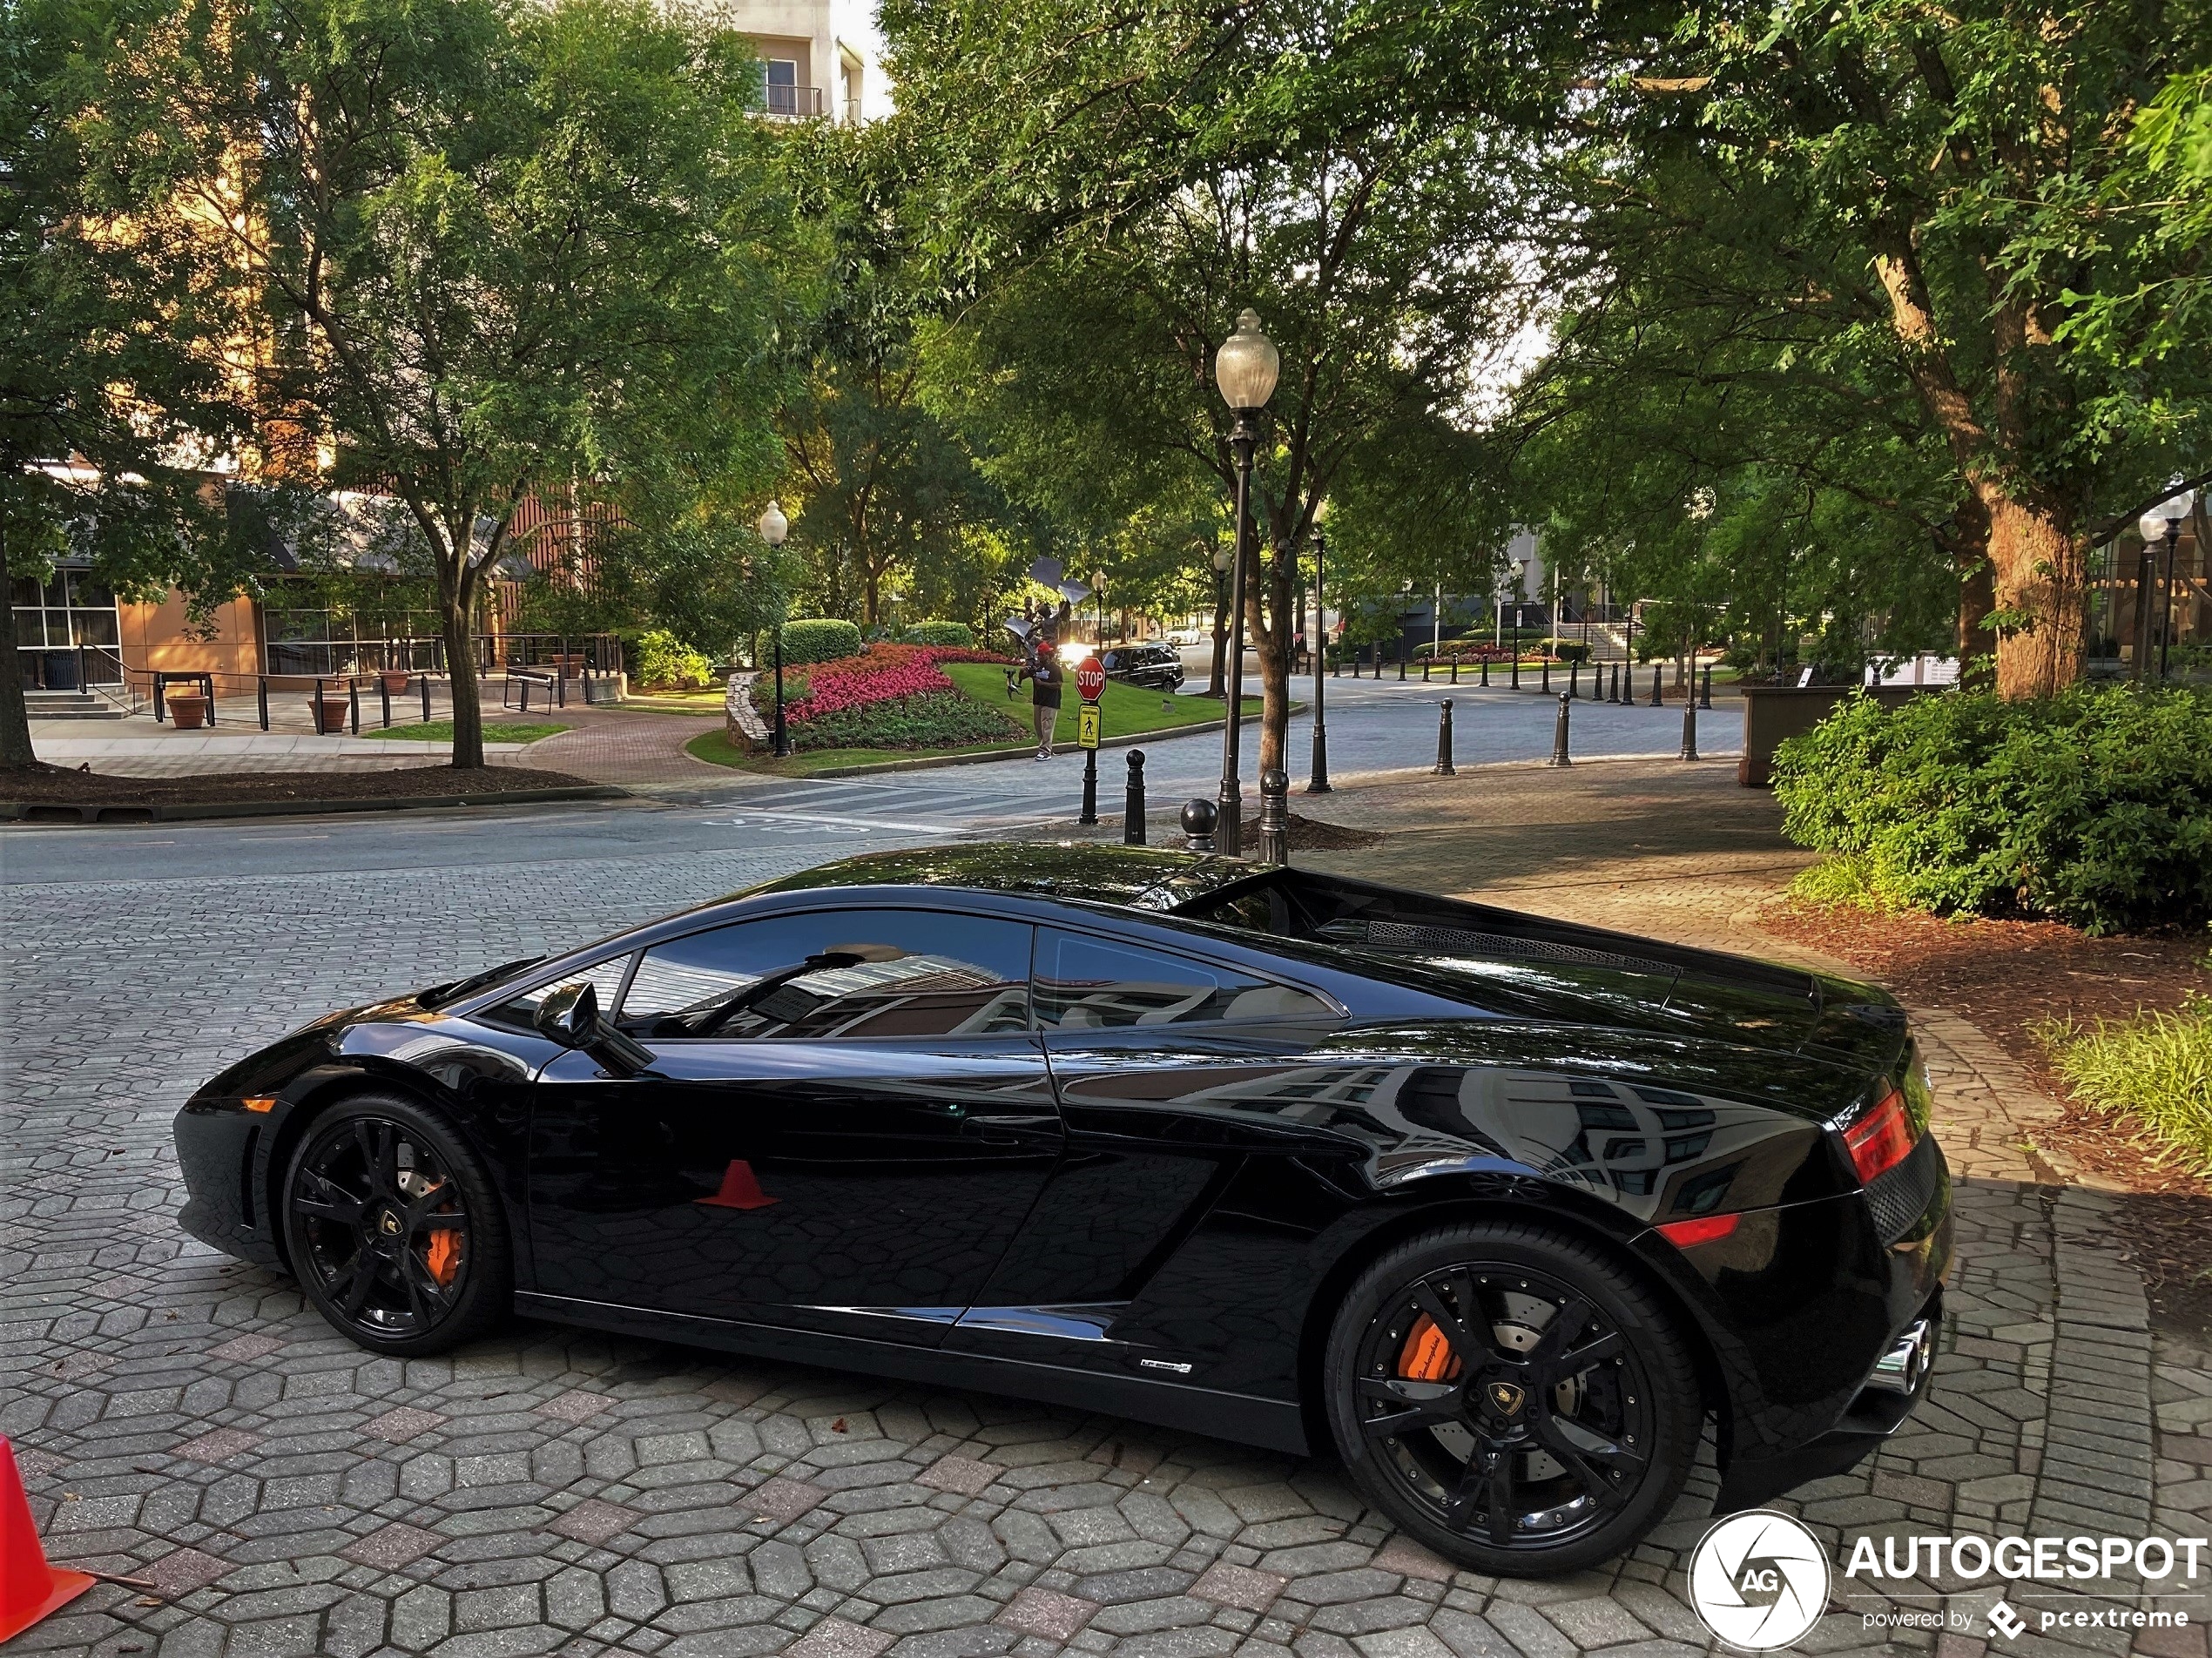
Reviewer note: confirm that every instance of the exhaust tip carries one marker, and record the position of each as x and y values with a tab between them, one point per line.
1900	1370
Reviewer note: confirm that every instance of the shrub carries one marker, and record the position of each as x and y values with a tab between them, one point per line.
2156	1067
1565	649
946	633
932	719
2092	807
811	639
661	661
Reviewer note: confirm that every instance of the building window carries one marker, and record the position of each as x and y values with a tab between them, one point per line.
71	608
322	641
783	87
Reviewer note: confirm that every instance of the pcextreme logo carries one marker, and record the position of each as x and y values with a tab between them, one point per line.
1759	1580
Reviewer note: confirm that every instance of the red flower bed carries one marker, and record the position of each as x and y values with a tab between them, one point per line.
882	673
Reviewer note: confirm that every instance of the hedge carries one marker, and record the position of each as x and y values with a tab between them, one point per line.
657	659
810	639
2093	807
947	633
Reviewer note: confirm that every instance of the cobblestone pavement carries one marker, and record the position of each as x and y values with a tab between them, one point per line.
183	1421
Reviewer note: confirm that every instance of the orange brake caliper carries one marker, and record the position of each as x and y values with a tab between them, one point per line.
1426	1357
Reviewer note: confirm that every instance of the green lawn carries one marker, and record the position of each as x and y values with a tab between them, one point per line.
441	731
1124	710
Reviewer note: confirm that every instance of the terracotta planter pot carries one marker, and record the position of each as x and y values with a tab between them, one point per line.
329	714
394	682
188	710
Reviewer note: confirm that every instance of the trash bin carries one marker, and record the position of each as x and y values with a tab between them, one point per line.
60	669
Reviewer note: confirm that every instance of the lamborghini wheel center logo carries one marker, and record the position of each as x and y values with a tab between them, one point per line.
1507	1398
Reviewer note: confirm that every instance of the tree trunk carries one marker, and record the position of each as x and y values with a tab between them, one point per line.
16	753
2036	570
1220	670
460	671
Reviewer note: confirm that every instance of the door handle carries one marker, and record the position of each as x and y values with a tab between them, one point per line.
999	1129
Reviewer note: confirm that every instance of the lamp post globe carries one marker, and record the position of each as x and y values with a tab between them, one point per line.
1245	368
2162	524
774	527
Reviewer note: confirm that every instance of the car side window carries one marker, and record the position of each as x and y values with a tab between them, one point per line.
842	974
1087	984
605	978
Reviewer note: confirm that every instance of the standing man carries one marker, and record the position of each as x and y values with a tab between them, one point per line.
1043	672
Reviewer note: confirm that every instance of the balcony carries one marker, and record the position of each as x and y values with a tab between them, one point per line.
793	103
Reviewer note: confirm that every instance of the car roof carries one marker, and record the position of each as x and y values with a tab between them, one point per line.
1143	877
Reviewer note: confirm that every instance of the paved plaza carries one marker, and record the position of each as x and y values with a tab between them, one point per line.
268	1489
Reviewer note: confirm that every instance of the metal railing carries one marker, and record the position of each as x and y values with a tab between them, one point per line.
572	654
793	103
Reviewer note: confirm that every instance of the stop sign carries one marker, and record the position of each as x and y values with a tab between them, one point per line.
1090	679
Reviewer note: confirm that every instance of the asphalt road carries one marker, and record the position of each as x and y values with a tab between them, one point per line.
1372	727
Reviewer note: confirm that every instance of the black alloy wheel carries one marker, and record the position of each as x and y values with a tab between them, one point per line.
1513	1397
393	1230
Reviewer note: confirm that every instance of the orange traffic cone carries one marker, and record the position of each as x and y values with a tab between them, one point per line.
30	1588
740	1190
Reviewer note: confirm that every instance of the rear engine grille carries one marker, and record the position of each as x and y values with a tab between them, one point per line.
1899	1195
1453	940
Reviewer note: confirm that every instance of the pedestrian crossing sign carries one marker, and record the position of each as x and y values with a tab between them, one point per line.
1087	725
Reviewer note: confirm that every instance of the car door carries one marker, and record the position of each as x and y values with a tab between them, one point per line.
847	1119
1181	1081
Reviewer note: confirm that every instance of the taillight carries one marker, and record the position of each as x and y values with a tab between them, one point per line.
1881	1138
1704	1228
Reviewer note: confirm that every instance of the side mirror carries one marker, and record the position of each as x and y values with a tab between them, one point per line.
571	1017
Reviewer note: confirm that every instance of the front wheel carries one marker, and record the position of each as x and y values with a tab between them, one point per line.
1513	1397
394	1227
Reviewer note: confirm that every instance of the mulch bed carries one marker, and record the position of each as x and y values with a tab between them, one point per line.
2007	976
411	782
1311	834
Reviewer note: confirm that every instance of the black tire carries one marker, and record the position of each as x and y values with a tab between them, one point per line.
393	1229
1436	1416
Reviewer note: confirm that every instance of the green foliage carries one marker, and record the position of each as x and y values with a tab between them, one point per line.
1564	649
2156	1068
953	633
661	661
934	719
810	639
2093	807
1842	880
550	265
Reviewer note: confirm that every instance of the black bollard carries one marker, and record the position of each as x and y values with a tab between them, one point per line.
1274	816
1200	817
424	680
1133	801
1656	699
1455	669
1574	680
1544	670
1090	814
1689	729
1486	673
1402	658
385	691
1705	689
1559	735
261	695
1426	663
1444	766
1613	692
1516	668
354	696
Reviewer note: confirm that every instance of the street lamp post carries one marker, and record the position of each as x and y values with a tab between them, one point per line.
2163	522
1318	649
773	528
1245	368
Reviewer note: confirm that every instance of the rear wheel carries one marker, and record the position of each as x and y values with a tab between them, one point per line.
1511	1398
395	1230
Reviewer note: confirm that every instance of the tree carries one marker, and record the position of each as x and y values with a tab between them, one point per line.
112	387
496	250
1124	183
1931	194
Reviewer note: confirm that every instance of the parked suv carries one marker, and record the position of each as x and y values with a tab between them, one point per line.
1157	666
